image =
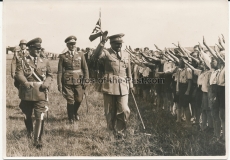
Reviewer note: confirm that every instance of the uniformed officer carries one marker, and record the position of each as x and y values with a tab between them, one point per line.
18	52
34	74
116	83
72	75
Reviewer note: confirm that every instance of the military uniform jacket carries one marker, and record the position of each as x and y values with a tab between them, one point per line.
17	59
28	71
72	70
117	78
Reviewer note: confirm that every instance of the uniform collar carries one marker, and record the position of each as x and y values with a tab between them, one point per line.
119	53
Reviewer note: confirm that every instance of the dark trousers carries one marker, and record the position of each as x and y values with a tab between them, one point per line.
73	93
220	97
184	100
39	107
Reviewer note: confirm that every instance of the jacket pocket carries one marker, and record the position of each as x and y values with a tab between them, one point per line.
25	93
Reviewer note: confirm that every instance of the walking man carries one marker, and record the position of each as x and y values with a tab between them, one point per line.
116	82
34	75
72	75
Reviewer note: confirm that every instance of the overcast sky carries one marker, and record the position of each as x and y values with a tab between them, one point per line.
144	23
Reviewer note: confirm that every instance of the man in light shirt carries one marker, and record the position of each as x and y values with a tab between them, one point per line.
183	88
220	96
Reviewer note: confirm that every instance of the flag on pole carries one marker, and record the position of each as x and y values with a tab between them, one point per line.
96	31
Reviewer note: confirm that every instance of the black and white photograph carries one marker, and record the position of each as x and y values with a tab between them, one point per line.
115	79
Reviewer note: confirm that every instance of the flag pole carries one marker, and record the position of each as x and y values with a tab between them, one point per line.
100	20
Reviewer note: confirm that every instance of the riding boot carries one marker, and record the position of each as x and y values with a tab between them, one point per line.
37	132
29	127
70	111
76	107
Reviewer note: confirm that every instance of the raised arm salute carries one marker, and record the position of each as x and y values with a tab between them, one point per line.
116	84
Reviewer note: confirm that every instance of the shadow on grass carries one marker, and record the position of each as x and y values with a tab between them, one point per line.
17	134
11	106
17	118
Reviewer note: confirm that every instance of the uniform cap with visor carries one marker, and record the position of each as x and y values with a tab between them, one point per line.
117	38
35	43
71	39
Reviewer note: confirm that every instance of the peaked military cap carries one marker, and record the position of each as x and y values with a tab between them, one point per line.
17	48
23	42
71	39
36	42
116	38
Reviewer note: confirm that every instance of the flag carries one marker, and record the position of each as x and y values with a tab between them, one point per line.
96	31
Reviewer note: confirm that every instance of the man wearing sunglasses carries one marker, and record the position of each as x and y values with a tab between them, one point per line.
34	75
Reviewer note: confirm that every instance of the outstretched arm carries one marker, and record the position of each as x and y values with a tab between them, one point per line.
222	46
196	71
209	49
174	57
218	55
98	51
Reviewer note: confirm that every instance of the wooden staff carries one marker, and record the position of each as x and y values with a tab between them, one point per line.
138	110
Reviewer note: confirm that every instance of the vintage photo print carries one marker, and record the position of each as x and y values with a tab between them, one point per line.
115	79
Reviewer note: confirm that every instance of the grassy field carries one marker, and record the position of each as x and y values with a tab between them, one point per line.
89	136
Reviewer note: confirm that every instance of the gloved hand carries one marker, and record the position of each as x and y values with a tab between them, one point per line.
131	89
28	84
60	88
104	36
44	86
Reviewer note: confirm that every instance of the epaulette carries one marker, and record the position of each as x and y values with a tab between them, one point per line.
63	54
79	52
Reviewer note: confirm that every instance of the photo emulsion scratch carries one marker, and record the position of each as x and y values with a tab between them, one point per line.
115	79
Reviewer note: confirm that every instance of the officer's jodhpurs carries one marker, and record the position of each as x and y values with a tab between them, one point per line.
116	111
74	95
39	107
